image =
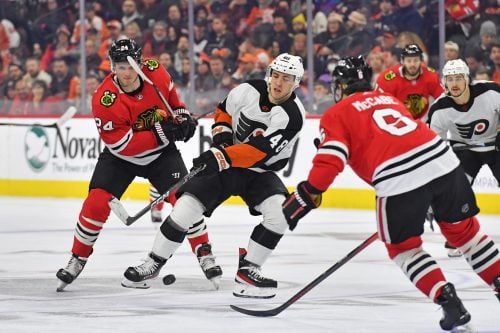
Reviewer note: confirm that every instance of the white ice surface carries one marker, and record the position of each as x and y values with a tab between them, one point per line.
368	294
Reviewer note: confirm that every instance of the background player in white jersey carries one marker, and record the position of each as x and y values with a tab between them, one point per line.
470	113
140	141
411	168
255	129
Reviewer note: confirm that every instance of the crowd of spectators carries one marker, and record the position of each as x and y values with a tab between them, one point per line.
234	40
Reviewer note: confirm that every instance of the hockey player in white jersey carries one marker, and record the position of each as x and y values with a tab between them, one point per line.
255	129
468	116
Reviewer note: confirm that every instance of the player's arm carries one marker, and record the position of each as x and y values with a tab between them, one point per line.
438	122
222	129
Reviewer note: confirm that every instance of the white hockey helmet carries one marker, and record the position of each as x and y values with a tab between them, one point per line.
456	66
288	64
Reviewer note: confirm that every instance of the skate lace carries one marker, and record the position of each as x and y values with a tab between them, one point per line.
74	265
149	266
207	261
255	272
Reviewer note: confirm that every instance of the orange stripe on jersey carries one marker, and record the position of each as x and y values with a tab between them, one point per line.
222	117
244	155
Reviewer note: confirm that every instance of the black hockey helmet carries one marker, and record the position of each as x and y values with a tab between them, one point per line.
411	50
121	49
350	75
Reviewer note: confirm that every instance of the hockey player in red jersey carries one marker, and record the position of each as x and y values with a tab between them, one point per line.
139	137
411	82
255	129
411	168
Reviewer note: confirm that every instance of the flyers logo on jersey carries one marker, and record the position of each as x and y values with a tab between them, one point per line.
476	127
389	75
247	128
151	64
108	98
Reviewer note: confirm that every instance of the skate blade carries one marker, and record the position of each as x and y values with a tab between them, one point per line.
215	282
248	291
136	285
467	328
61	286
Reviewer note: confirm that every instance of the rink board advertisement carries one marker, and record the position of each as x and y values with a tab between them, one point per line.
40	161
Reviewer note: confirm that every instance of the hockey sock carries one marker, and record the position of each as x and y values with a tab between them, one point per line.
95	211
261	244
418	266
197	234
478	248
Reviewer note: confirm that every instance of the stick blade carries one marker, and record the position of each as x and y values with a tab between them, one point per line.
70	112
117	208
257	313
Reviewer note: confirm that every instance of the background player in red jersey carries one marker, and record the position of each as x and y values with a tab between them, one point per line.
412	82
411	168
255	129
139	136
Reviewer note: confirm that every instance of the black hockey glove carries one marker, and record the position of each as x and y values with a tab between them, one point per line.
300	202
214	159
186	123
167	131
222	135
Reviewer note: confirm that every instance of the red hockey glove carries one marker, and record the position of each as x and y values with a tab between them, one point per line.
214	159
300	202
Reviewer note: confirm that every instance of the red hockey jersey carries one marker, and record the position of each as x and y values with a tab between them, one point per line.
414	94
375	134
117	114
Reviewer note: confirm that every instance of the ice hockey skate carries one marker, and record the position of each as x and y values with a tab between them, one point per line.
71	272
139	276
455	317
453	252
212	271
156	215
250	283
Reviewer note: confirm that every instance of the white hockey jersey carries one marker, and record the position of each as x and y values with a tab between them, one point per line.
474	123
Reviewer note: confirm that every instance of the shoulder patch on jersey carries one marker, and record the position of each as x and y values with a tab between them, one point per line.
151	64
389	75
431	69
108	98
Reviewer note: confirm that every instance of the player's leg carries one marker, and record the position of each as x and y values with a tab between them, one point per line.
471	163
167	171
265	194
400	222
461	228
110	178
193	201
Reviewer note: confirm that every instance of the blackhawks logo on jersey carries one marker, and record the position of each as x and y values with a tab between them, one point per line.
416	104
147	119
108	98
389	75
151	64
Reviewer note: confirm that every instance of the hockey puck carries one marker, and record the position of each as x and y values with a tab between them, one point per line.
168	279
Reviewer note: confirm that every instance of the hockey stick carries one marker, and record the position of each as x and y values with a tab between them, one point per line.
143	76
311	285
70	112
467	147
117	207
